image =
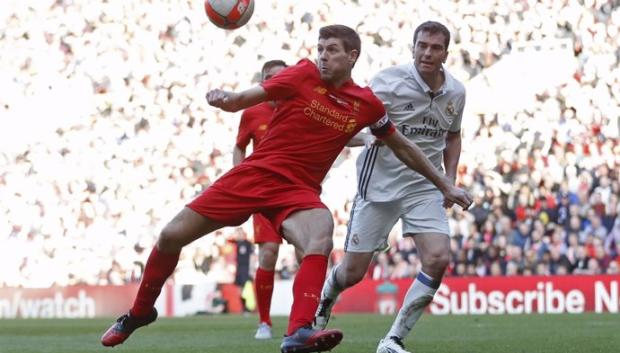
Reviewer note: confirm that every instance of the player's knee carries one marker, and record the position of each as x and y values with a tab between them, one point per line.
320	245
169	240
438	261
268	257
353	275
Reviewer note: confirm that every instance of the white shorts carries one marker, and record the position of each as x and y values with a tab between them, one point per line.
371	222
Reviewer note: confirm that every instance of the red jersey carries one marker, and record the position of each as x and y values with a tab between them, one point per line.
253	124
312	123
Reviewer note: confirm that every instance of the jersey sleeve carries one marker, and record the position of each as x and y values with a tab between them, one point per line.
286	82
456	123
244	134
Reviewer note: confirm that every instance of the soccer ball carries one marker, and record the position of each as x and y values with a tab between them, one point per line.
229	14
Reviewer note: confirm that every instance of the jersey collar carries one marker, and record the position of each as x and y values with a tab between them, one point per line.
448	83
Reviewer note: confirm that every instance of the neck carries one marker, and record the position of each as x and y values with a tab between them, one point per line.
434	80
338	81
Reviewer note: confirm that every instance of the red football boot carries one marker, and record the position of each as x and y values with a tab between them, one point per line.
124	326
306	340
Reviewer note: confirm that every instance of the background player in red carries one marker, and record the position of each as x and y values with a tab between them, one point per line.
252	128
320	109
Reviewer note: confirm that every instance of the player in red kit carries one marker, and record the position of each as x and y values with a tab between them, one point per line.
252	128
320	108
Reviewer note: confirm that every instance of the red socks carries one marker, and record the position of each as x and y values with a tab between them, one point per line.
306	287
158	268
264	290
307	291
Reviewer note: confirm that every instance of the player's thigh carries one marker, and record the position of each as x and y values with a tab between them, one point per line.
427	222
310	230
370	224
185	227
424	214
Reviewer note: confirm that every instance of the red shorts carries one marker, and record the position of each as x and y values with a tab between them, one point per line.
264	231
246	190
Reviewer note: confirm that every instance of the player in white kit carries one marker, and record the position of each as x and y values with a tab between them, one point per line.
426	103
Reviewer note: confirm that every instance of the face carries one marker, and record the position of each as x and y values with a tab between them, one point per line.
429	52
333	61
272	71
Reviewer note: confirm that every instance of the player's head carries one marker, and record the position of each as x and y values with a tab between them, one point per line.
270	68
338	49
430	46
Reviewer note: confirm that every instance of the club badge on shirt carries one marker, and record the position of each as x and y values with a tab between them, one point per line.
320	90
450	110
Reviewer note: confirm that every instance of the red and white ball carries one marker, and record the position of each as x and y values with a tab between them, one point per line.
229	14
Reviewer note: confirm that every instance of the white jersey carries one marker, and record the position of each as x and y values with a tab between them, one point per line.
423	117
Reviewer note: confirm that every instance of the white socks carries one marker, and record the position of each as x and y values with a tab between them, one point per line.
418	297
331	288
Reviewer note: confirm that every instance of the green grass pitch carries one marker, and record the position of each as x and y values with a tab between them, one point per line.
234	334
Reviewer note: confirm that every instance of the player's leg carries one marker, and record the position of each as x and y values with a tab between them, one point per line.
342	276
311	231
184	228
213	209
263	282
435	255
369	226
426	220
268	241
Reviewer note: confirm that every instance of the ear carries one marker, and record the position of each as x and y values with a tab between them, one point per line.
353	56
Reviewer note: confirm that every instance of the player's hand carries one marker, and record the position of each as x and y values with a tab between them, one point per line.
454	195
220	99
447	203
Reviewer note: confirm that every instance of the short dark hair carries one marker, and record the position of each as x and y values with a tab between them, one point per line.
350	39
433	27
272	63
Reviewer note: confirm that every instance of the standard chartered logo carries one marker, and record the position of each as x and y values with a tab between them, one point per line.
330	117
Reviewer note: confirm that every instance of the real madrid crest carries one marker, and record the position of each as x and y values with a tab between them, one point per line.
450	110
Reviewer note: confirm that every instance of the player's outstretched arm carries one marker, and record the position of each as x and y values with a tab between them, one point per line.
452	153
233	102
410	154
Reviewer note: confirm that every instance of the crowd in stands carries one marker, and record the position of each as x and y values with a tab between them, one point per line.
105	134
